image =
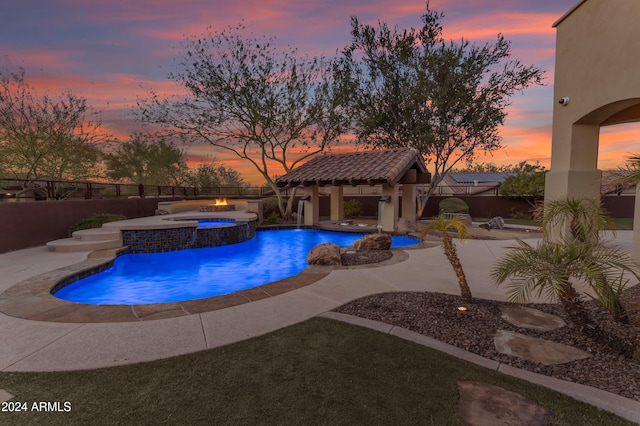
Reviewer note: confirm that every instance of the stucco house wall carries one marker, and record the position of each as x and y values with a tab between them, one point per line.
597	63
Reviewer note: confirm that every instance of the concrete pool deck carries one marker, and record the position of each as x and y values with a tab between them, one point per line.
30	345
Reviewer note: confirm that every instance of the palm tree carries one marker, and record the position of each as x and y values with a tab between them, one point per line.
442	225
633	167
547	269
584	217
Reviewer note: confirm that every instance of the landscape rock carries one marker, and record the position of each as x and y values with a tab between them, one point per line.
405	226
373	242
495	223
351	258
536	350
4	395
484	404
533	319
324	254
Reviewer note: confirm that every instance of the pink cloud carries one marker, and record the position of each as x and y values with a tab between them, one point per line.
113	52
511	24
617	143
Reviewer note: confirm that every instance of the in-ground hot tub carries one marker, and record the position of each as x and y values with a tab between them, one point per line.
189	232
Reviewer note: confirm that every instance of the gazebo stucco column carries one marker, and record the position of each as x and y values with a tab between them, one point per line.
409	205
311	210
389	210
337	203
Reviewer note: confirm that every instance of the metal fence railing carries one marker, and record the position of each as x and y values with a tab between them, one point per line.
40	189
481	188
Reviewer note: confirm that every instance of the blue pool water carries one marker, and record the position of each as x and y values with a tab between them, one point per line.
198	273
210	223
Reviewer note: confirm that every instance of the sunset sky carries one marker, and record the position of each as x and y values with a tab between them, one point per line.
112	52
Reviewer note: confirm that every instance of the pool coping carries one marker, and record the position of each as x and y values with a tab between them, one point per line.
32	299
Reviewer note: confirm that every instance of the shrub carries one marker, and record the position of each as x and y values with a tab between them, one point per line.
352	208
273	217
270	207
518	215
453	205
96	221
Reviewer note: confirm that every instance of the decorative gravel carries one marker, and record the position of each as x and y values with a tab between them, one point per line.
365	257
437	315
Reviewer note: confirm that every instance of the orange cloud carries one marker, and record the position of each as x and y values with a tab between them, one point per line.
511	24
113	52
617	143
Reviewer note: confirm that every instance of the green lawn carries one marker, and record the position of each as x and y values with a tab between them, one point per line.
621	224
313	373
526	222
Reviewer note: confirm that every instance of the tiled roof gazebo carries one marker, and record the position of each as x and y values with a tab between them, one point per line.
389	168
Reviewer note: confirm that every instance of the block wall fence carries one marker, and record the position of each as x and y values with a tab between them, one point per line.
34	223
30	224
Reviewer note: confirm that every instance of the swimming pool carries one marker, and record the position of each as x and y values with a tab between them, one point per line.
180	275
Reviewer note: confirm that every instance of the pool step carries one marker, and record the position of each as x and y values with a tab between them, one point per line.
72	244
96	234
88	240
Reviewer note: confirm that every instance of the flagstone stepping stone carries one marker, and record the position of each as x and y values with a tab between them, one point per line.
4	395
536	350
482	404
534	319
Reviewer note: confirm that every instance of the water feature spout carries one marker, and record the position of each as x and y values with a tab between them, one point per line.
383	200
381	204
301	208
194	238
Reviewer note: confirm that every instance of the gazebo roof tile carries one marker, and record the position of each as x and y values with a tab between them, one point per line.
356	168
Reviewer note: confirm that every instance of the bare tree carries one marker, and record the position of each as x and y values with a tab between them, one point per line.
270	107
46	137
